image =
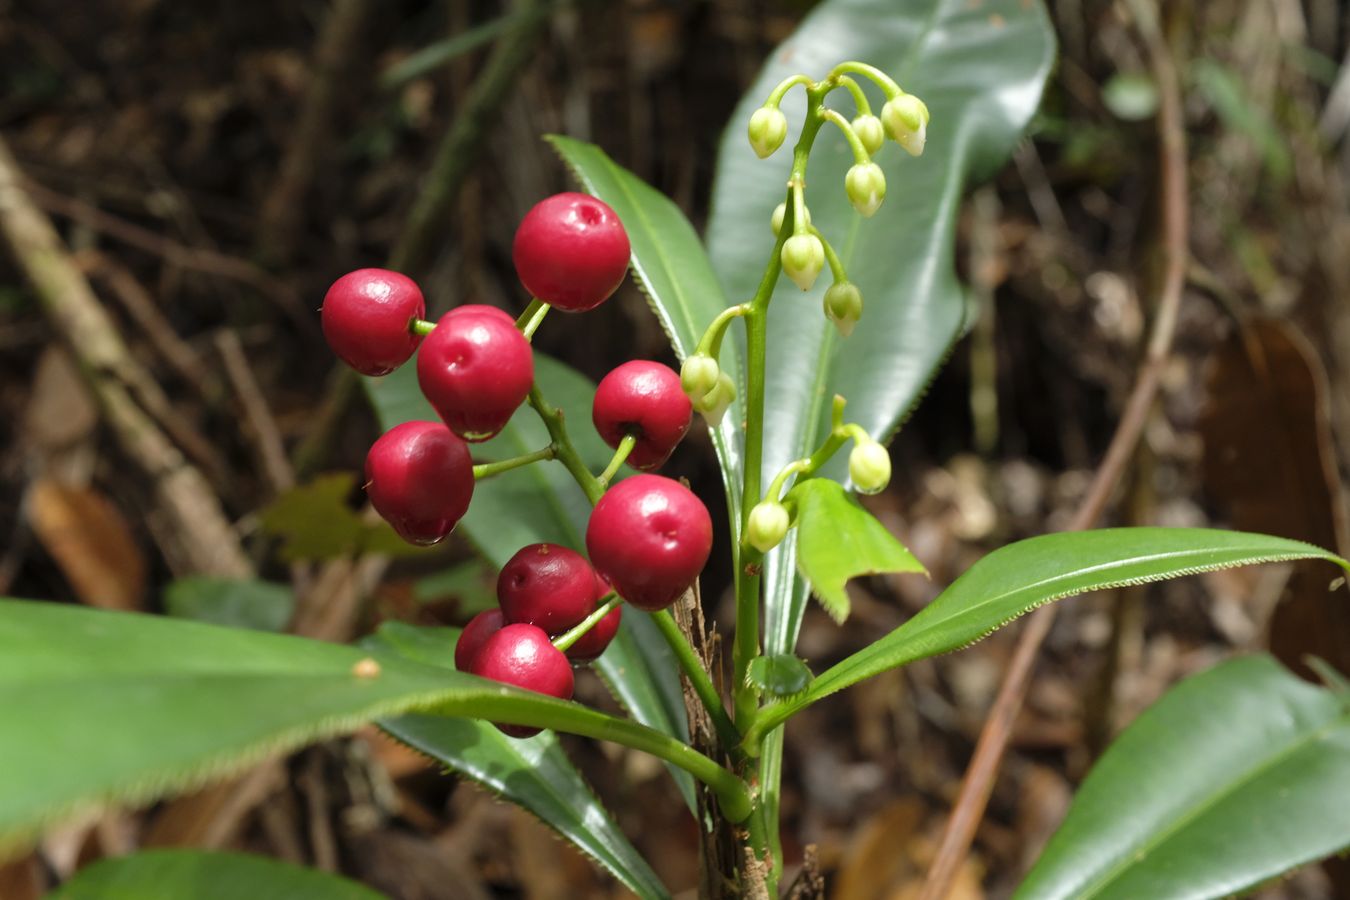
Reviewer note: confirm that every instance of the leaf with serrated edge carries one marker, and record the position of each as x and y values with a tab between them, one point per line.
838	540
534	773
1016	579
1235	776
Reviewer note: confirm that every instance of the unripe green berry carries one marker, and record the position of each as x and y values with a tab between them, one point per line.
869	465
713	405
767	526
803	257
865	185
870	131
780	213
906	121
698	376
843	306
767	129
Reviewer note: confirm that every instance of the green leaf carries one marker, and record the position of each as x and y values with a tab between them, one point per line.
1016	579
108	707
1233	777
674	273
981	69
315	521
534	773
541	502
837	540
238	603
779	676
177	874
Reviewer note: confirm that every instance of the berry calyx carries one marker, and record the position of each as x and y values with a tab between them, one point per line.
367	316
475	369
522	655
644	399
906	120
547	585
869	466
571	251
870	132
767	525
865	185
650	537
803	257
593	643
767	129
843	306
475	635
419	477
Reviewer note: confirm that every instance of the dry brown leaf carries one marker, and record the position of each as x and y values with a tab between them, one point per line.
875	861
91	542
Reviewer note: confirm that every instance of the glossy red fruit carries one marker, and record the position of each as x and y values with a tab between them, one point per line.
367	316
475	369
591	644
650	536
644	398
475	635
482	309
420	478
571	251
547	585
523	656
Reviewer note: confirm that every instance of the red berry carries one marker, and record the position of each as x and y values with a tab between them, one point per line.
590	645
366	318
523	656
475	635
483	309
475	368
419	477
547	585
571	251
644	398
650	536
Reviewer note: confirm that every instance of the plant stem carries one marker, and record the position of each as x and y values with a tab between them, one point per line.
859	98
528	322
698	678
421	326
487	470
563	449
620	454
878	77
711	342
837	271
860	154
565	640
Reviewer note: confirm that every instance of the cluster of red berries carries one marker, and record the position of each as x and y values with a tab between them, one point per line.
648	536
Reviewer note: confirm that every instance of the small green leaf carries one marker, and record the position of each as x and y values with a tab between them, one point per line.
179	874
1131	96
534	773
237	603
837	540
316	521
780	675
1233	777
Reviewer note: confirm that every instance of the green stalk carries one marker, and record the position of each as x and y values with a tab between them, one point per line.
421	327
487	470
698	677
563	449
533	316
565	640
620	454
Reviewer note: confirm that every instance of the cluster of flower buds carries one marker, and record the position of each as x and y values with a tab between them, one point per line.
710	390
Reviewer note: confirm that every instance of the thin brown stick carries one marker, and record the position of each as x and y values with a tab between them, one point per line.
269	446
979	779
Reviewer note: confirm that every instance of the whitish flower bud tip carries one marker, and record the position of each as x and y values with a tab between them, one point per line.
767	526
865	185
803	257
869	466
843	306
767	129
906	120
714	404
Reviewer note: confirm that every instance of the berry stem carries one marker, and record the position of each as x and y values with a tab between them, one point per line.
698	677
563	449
421	327
530	320
787	84
487	470
565	640
620	454
878	77
711	342
860	154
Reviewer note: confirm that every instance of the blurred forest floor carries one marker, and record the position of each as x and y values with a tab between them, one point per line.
153	135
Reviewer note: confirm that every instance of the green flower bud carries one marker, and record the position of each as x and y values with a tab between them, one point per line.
767	526
869	465
865	185
870	131
768	127
713	405
906	121
843	306
803	257
698	375
780	213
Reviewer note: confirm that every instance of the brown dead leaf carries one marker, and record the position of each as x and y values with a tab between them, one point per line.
91	542
1268	457
60	411
875	860
21	879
